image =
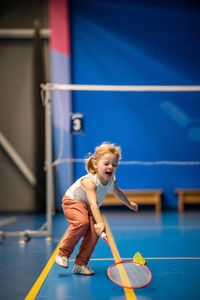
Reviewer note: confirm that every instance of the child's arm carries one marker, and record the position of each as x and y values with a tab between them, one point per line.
122	197
90	188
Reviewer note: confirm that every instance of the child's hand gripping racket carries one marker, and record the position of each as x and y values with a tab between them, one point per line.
127	274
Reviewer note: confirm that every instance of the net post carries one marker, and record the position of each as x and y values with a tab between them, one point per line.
49	170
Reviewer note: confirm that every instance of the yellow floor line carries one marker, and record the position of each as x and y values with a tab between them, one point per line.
36	287
130	295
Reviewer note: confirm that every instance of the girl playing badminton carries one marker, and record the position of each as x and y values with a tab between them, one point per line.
81	204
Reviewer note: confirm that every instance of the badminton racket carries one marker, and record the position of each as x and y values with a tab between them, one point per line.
127	274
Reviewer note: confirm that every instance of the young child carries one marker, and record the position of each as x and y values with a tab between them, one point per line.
81	204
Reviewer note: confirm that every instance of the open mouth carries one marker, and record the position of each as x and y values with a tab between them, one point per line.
109	173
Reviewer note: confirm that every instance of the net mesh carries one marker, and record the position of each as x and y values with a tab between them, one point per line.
129	274
93	93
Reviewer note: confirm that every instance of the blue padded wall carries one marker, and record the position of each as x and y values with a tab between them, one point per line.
139	43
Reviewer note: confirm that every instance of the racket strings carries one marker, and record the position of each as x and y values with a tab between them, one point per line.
129	274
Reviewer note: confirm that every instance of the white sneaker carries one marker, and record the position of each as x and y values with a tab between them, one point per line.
61	261
84	270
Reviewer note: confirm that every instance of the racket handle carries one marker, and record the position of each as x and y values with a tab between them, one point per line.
103	235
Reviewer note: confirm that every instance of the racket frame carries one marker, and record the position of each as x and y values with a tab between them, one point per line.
129	261
105	238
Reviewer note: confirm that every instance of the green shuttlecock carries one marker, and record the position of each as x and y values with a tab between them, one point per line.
138	258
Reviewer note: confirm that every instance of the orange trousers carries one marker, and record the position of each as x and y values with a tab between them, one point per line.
81	225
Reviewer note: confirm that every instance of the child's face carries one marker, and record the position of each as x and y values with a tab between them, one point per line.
106	167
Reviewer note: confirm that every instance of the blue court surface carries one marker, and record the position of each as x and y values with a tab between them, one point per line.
169	242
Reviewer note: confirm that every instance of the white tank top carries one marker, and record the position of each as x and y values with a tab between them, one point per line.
77	191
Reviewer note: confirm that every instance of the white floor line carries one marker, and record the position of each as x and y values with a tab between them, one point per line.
8	221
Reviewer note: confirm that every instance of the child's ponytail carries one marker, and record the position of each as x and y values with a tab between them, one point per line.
90	166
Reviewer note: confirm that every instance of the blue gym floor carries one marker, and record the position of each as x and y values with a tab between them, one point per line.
169	242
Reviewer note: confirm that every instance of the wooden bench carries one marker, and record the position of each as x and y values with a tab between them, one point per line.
141	197
187	196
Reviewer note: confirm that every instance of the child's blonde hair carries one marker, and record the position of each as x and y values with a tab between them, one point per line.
99	151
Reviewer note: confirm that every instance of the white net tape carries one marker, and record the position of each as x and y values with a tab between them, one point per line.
45	95
122	88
